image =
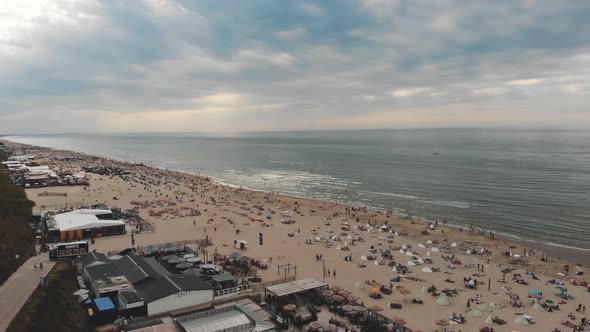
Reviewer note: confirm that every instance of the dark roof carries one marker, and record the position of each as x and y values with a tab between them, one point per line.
101	271
224	277
156	266
137	269
170	284
92	257
130	296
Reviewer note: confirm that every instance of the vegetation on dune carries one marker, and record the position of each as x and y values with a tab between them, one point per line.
16	237
52	307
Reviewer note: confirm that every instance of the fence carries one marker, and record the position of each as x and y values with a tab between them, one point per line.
233	290
261	286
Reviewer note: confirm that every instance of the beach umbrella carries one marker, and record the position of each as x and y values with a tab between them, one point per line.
405	292
376	290
549	301
537	307
484	307
187	256
474	313
442	322
234	255
489	320
521	321
289	307
177	260
375	308
536	292
429	242
443	300
426	270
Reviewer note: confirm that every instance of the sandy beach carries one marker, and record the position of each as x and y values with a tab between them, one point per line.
358	246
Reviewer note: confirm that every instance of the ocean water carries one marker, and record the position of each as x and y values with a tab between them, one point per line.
528	184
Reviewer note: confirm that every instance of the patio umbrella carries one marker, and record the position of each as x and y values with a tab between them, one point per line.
404	292
442	322
347	308
337	298
399	321
327	293
344	292
184	266
315	325
474	313
177	260
330	328
337	289
187	256
375	308
169	257
289	307
194	260
352	298
359	308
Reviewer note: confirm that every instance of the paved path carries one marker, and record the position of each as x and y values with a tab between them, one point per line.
19	287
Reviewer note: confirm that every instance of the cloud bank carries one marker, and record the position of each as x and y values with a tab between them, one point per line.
165	65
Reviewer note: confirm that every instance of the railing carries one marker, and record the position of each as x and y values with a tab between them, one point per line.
233	290
261	286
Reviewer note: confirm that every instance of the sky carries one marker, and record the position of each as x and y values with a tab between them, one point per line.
172	65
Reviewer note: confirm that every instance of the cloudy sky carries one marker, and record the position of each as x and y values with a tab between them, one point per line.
173	65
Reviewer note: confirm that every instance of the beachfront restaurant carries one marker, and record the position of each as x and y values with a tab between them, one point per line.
84	224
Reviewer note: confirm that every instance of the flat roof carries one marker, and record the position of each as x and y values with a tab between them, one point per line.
218	322
296	286
81	219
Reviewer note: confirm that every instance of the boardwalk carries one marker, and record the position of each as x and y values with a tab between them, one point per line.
17	289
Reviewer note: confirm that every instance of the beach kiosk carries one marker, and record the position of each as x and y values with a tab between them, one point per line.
240	244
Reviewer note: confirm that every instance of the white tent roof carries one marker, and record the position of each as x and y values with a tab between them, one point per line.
75	220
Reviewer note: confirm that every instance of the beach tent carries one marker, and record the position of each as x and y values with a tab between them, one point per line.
404	247
484	307
474	313
420	260
443	300
521	321
495	305
420	245
410	263
424	290
429	242
363	258
426	270
454	244
428	254
435	249
537	307
409	253
489	320
401	251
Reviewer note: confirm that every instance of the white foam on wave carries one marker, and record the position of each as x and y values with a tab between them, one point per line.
553	244
457	204
391	194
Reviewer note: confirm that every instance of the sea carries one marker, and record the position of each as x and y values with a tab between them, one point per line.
528	185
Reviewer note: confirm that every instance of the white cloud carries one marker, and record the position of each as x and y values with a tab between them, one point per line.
311	9
489	91
403	93
572	88
282	59
530	81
